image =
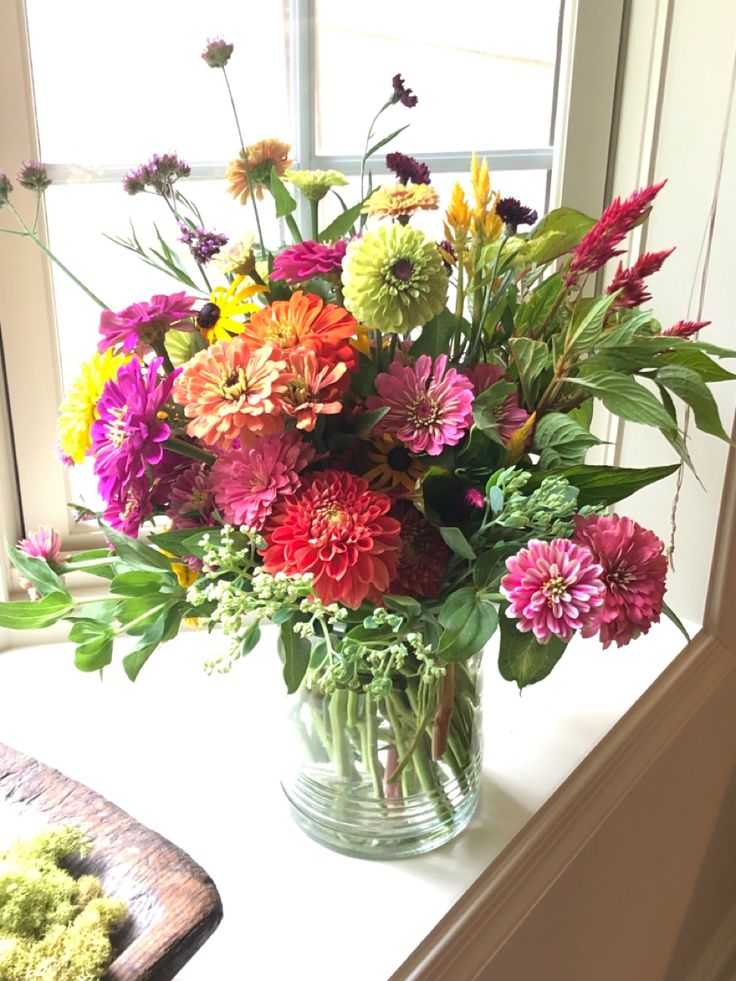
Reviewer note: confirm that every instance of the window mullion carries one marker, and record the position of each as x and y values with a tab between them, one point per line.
301	13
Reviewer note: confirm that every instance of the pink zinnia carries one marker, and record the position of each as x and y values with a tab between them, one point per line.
509	415
308	259
685	328
553	588
430	406
634	569
44	543
144	323
599	245
634	291
191	498
249	482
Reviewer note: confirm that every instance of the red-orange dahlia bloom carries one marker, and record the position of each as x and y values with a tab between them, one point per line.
305	321
230	392
424	555
338	529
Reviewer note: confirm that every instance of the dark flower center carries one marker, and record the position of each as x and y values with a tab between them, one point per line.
208	316
402	270
398	459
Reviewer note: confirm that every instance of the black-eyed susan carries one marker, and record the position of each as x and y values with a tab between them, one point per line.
394	468
217	320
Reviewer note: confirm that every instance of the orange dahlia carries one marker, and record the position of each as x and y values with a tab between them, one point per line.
262	156
305	321
230	391
338	529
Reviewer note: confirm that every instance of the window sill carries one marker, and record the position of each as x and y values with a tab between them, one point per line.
191	757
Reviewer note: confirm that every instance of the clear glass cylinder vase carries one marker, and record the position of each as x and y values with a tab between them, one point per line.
386	777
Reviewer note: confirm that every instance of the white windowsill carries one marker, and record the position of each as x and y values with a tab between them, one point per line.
191	756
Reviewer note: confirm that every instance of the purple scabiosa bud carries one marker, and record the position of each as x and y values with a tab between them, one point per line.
513	213
408	169
217	53
402	94
5	188
33	176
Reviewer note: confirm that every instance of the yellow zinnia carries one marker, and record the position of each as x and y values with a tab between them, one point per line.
79	409
216	318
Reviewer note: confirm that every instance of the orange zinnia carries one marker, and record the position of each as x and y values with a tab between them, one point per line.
304	321
262	156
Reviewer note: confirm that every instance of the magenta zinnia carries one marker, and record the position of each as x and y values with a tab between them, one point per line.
129	434
429	405
191	498
145	323
308	259
553	588
249	482
634	569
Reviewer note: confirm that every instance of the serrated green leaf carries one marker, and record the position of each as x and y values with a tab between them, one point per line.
584	331
531	359
294	652
522	658
22	615
706	368
485	405
606	485
688	385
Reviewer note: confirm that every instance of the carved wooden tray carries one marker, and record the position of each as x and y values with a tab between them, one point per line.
173	904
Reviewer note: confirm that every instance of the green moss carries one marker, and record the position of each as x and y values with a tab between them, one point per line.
53	926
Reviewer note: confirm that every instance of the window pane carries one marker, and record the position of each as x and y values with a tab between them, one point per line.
483	72
115	83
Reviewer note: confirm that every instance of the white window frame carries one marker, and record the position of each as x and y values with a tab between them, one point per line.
27	310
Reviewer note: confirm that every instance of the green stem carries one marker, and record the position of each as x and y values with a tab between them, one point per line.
294	229
338	722
47	252
314	213
187	449
372	761
160	348
368	139
245	162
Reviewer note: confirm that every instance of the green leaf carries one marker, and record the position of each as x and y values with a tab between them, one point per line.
436	335
533	312
671	615
625	397
95	654
37	571
557	233
583	333
342	224
181	345
141	583
144	609
531	359
405	605
294	652
607	485
491	565
86	628
687	385
522	658
24	615
366	421
457	542
469	621
251	637
561	441
386	139
688	357
485	404
283	201
135	553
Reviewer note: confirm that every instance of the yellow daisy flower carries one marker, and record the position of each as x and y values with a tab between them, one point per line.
216	318
394	466
79	409
401	201
314	184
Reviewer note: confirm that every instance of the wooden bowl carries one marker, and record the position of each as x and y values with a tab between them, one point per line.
173	905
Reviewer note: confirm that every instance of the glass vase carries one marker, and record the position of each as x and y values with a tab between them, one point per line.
390	776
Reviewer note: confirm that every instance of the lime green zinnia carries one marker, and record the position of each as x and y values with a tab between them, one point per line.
314	184
394	279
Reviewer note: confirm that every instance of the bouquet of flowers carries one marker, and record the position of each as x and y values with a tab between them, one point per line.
375	439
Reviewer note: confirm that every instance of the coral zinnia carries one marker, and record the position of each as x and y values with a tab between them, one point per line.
313	388
229	392
248	482
430	406
401	201
634	572
553	588
128	437
261	156
145	323
339	530
424	555
394	278
305	321
308	259
79	409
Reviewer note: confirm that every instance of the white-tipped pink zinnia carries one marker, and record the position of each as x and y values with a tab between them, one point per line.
553	588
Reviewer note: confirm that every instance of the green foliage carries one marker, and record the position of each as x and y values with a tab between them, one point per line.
282	199
560	441
557	233
22	615
37	571
586	326
469	619
531	358
687	385
485	405
342	224
522	659
604	485
294	652
457	542
437	334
